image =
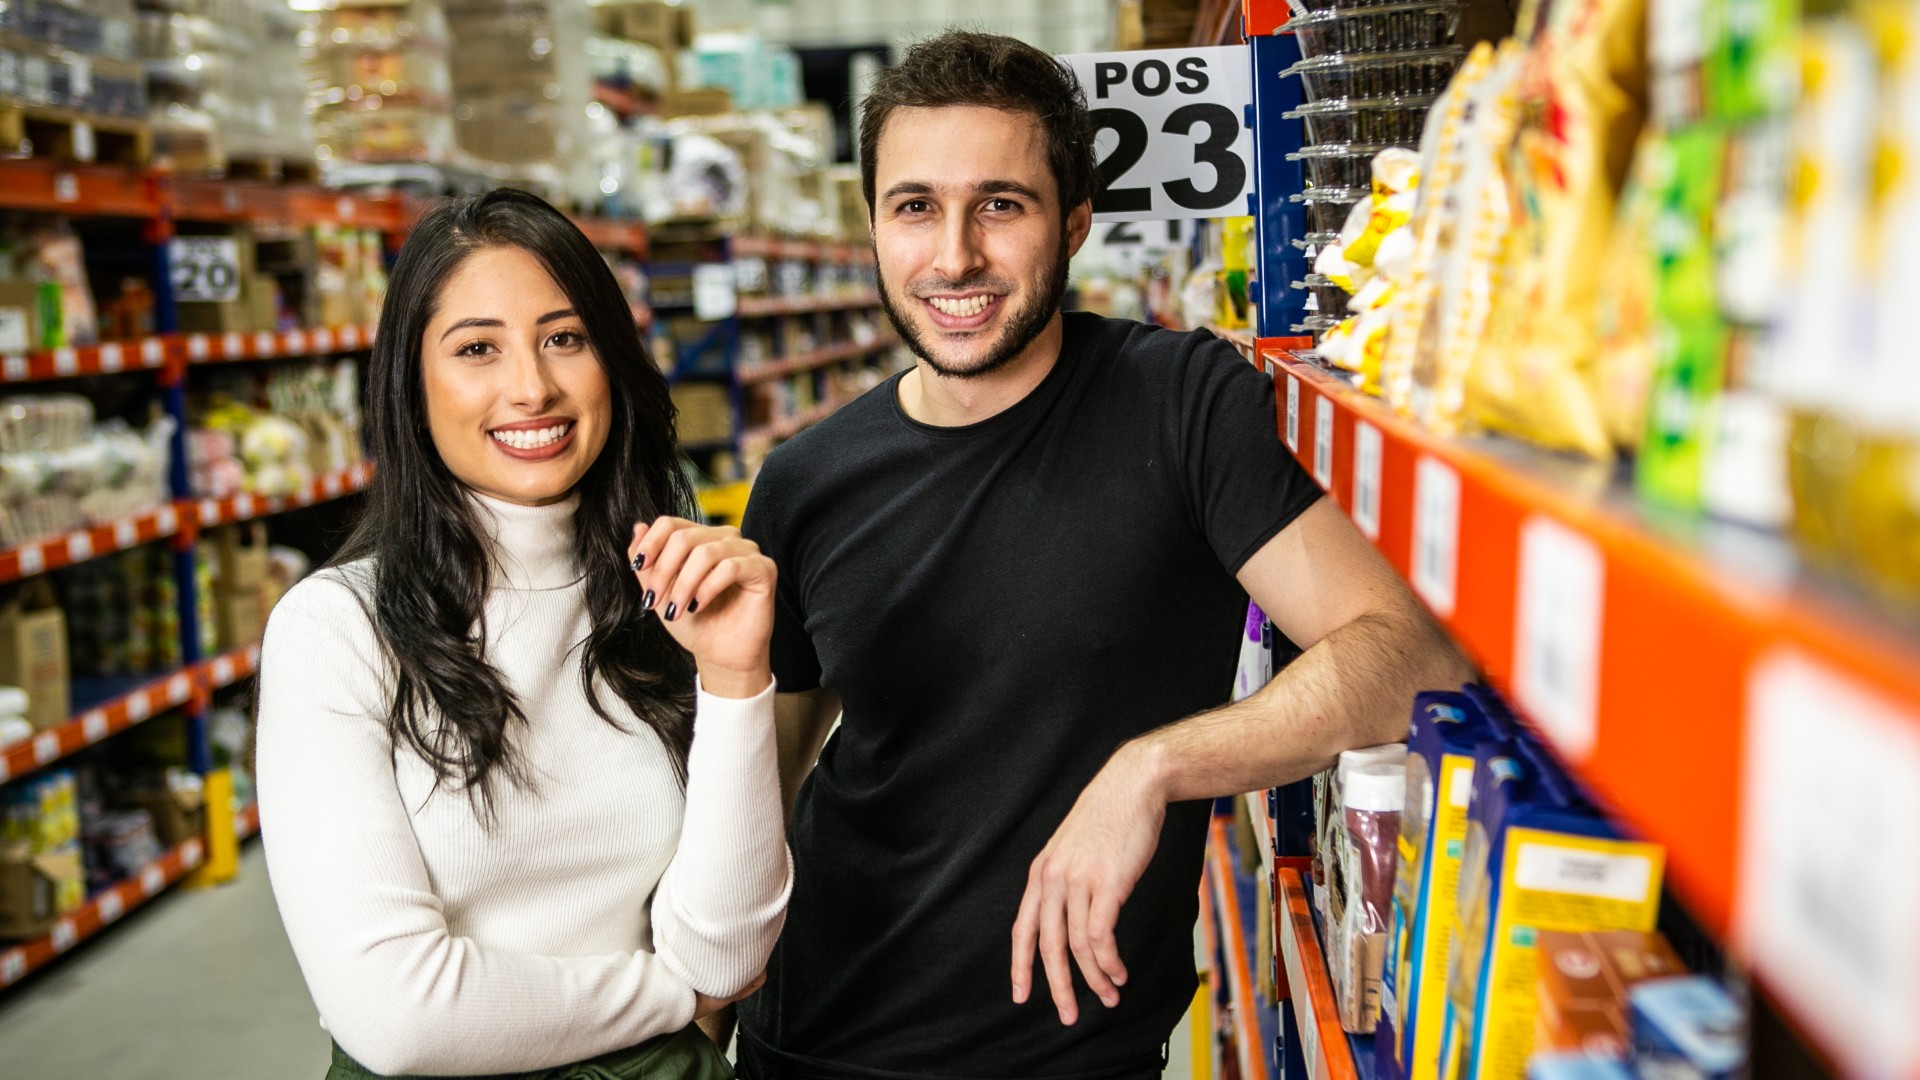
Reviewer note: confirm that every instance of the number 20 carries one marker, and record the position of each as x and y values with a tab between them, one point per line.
1223	130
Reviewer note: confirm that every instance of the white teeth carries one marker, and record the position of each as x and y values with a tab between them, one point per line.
532	440
972	305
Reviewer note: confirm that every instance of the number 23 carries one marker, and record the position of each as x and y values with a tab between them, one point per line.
1223	130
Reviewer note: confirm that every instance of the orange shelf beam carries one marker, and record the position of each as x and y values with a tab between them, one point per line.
230	667
100	912
819	358
236	345
62	188
107	358
1323	1043
78	546
246	506
754	307
629	237
1246	1038
96	725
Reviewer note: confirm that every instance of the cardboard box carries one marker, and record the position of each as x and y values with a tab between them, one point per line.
239	557
664	26
31	887
33	652
706	412
19	316
240	615
707	101
177	817
1584	983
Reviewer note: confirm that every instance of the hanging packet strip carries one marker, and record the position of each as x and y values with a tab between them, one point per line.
1447	728
1538	857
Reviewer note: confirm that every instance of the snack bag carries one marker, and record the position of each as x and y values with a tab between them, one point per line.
1623	316
1583	93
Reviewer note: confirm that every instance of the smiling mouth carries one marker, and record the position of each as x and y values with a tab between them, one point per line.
961	309
532	438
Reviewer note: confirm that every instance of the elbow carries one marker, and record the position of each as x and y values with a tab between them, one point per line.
387	1040
722	956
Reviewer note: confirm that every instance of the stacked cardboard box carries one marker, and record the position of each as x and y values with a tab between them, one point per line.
33	652
521	89
383	91
226	84
69	82
243	590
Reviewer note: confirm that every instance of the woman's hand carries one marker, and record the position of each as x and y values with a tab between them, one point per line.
704	1006
714	590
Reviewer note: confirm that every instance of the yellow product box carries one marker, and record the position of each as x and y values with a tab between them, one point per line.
1538	857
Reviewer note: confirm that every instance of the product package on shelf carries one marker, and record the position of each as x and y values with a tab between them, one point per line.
46	297
782	157
34	654
228	92
1687	1026
383	93
273	435
123	615
69	84
1584	983
59	470
1538	857
42	869
520	92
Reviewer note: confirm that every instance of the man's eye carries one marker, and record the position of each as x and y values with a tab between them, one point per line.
1002	206
914	206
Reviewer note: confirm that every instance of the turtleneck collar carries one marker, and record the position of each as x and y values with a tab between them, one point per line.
532	545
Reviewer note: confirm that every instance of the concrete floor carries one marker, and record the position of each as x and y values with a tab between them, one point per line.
198	985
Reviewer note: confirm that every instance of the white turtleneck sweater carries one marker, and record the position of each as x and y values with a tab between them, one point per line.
585	918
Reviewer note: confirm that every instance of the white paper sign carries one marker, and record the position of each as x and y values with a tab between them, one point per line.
1557	634
1830	860
1132	246
1367	453
1323	442
1293	414
1436	533
714	295
206	269
13	330
1172	138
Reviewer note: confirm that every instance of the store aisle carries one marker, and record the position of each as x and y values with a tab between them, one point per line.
200	985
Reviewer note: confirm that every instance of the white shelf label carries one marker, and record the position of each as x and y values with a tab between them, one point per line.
323	340
349	337
331	485
1323	441
1367	453
714	294
66	362
1293	413
111	907
80	546
139	708
1436	533
126	534
233	345
169	520
230	200
65	936
179	689
1830	860
66	188
296	342
112	357
46	747
243	506
1557	634
16	369
223	671
346	208
265	344
13	967
32	560
153	352
191	853
198	347
253	656
94	725
152	880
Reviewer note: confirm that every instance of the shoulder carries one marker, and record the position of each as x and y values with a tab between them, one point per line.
326	618
1173	365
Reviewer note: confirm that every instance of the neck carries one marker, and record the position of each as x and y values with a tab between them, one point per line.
947	401
531	546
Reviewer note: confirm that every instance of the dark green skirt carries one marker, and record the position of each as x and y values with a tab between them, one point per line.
686	1055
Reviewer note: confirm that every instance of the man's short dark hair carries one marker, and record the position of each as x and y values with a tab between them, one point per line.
963	67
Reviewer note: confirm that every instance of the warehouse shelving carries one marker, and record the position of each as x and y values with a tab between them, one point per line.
96	724
245	506
780	369
788	427
100	911
760	307
1238	1006
274	345
1324	1048
55	552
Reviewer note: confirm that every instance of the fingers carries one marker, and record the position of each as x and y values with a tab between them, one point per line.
1079	939
1053	954
1026	931
701	590
673	558
1103	913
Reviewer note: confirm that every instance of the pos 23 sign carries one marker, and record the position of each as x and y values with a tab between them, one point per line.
1172	141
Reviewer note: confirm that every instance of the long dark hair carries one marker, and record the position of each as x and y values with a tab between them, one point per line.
424	541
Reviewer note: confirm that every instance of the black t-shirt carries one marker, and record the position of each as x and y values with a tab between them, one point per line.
999	606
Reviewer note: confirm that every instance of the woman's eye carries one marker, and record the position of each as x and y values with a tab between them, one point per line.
566	339
473	348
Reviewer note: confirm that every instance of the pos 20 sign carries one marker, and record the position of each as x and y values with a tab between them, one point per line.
1172	142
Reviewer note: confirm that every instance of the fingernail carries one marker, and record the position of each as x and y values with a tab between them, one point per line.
646	602
693	606
672	608
638	562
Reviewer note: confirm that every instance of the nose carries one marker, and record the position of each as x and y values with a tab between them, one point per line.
960	256
530	385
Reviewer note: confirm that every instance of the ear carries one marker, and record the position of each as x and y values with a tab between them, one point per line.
1079	227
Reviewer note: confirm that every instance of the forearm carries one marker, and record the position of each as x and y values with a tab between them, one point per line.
1353	688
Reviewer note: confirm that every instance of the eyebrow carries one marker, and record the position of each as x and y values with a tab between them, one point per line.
984	187
464	324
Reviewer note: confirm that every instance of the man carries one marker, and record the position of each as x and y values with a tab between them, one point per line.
1022	569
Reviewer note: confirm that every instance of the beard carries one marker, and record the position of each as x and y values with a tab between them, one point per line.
1019	328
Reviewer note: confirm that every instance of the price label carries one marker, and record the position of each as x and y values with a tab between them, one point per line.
233	345
714	295
153	352
46	746
206	269
1557	634
79	547
32	560
152	880
94	724
139	708
66	362
223	671
191	854
179	688
253	656
111	907
322	340
1436	533
13	967
198	347
1323	442
349	337
125	534
243	507
66	188
265	344
112	357
296	343
1171	134
169	521
1293	413
345	208
331	485
1367	452
1830	860
230	200
16	369
65	936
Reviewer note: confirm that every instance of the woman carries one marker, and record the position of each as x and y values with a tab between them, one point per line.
522	813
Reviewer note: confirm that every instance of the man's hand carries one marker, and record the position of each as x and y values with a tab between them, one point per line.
1083	875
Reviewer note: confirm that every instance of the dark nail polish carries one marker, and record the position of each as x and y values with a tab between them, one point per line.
671	610
646	602
639	562
693	606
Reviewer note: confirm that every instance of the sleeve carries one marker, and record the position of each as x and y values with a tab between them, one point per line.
1242	484
723	899
397	991
796	666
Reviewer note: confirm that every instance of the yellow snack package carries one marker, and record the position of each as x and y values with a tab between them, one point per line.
1583	92
1623	316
